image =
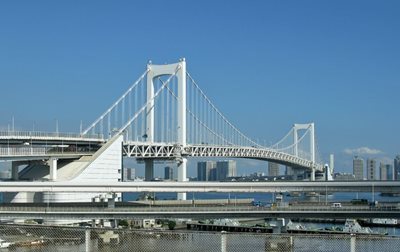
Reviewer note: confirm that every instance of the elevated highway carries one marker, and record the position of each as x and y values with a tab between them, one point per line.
83	213
31	145
239	187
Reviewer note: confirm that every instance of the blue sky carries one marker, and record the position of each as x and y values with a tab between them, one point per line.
265	64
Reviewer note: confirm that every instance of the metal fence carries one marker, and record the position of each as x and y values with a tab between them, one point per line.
48	238
43	151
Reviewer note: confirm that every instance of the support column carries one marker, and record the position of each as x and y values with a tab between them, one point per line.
223	241
14	170
149	169
87	240
353	243
53	169
312	177
182	176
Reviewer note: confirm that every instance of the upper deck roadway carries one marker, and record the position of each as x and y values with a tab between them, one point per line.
243	187
26	145
35	137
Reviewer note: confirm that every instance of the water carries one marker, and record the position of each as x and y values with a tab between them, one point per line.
391	231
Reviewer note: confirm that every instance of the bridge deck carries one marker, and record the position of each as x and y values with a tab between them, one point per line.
196	212
244	187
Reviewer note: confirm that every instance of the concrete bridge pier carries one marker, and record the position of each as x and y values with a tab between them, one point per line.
149	169
15	169
312	176
182	166
53	168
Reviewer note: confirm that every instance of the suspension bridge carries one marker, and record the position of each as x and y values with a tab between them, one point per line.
164	115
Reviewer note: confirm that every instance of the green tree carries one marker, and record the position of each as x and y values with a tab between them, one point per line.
123	223
171	225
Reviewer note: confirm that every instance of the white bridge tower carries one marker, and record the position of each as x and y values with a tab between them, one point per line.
310	127
154	71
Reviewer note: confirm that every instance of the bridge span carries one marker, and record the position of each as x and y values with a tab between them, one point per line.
163	115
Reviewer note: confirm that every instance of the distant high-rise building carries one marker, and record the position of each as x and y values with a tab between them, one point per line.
168	173
332	163
386	171
225	169
213	174
390	172
273	169
133	174
358	168
371	169
128	174
382	172
397	168
205	169
289	171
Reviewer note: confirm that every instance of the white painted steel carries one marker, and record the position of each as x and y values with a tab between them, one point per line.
169	151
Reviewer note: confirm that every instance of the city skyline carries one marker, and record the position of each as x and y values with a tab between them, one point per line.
260	64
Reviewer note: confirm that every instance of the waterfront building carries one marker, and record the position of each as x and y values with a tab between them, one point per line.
225	169
168	173
358	168
344	176
206	170
397	168
273	169
371	169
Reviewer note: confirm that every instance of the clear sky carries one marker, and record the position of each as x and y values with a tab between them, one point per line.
265	64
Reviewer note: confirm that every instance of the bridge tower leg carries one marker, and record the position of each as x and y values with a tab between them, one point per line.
312	142
295	139
312	150
149	169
